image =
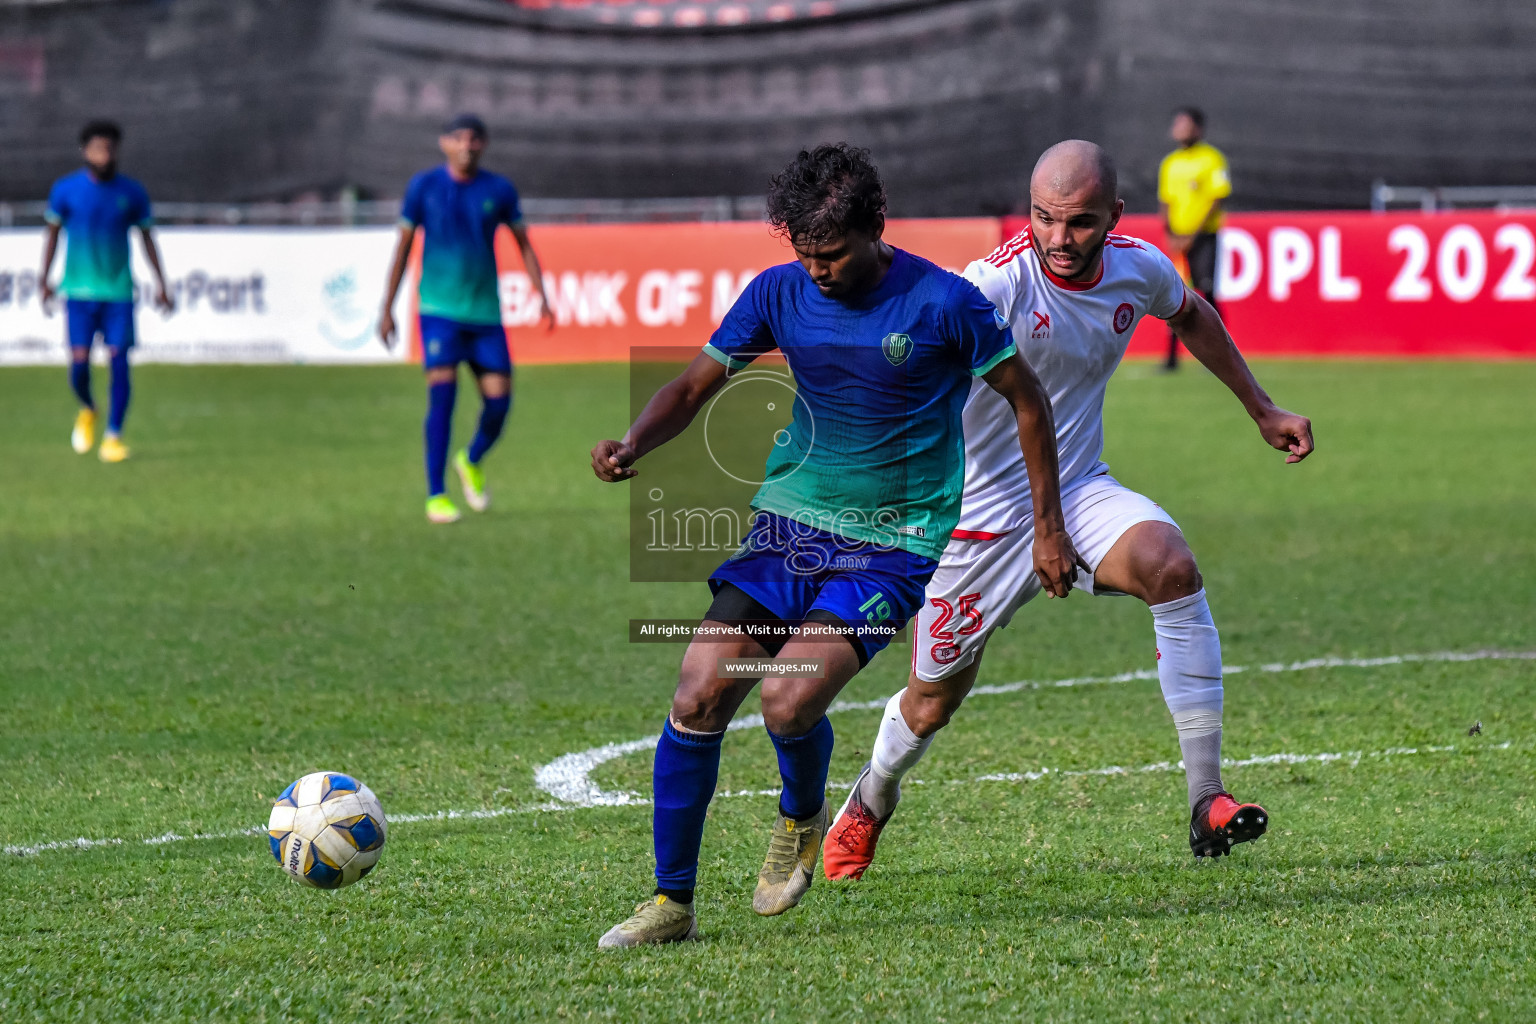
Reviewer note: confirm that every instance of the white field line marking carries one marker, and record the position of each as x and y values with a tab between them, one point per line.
1353	757
567	778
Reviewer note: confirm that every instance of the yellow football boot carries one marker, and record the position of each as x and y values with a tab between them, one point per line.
112	449
656	921
790	866
83	438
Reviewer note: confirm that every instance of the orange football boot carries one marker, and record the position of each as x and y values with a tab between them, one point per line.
850	845
1219	822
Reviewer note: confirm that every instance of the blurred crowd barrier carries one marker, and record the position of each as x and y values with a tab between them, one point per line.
1457	284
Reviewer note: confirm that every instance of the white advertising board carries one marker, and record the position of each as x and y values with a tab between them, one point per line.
243	295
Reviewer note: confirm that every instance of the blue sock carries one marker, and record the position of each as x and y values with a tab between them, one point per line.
438	428
687	765
803	762
80	380
122	388
493	416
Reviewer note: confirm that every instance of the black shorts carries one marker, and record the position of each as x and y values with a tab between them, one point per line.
735	607
1202	265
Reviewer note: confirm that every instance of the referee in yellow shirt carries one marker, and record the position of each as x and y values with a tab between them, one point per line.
1191	183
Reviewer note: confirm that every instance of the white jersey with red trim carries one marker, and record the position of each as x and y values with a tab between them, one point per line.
1074	335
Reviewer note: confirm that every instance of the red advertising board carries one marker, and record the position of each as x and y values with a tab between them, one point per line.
1406	285
1446	285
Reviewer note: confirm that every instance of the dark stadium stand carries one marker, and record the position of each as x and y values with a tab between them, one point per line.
229	100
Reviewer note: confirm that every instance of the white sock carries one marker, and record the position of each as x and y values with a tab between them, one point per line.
1200	742
897	748
1189	669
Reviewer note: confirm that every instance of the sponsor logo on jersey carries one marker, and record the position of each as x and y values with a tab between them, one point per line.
1042	327
1124	316
897	347
944	652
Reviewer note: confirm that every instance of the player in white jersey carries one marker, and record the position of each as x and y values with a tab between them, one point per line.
1073	291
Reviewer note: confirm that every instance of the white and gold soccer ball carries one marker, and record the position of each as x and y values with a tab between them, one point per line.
327	830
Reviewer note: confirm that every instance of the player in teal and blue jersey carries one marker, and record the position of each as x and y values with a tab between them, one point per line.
862	492
95	207
458	207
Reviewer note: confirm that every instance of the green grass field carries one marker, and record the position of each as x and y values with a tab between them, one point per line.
256	595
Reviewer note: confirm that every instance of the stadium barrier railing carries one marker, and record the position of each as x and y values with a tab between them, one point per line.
1499	198
351	212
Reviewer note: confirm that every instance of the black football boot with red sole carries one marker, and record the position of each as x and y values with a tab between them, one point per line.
1219	823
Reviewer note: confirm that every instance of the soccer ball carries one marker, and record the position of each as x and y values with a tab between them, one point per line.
327	830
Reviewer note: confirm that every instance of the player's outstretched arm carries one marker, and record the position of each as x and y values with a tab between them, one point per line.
1055	558
50	249
666	415
152	254
392	285
1202	332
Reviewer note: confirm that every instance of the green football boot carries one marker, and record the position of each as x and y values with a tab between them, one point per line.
790	866
473	478
656	921
441	509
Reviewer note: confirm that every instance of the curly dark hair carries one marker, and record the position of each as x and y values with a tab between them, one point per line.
102	130
1195	114
825	193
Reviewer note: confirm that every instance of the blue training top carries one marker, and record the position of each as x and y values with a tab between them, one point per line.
458	260
96	216
875	450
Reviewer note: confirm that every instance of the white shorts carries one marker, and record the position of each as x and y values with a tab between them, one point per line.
981	583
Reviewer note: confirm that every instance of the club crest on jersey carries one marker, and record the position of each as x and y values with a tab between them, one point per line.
897	347
1042	327
1124	314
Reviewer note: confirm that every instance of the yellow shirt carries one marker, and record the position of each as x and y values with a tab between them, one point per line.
1189	182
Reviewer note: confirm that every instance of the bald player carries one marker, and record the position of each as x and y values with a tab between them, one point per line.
1073	291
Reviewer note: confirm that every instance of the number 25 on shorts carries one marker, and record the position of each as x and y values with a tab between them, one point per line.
968	611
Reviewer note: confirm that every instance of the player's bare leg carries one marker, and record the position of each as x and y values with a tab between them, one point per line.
687	765
1153	562
795	714
911	719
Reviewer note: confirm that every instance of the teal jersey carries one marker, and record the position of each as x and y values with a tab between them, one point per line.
875	450
96	216
458	259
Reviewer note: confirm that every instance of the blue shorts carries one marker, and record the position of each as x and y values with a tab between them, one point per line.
87	318
446	342
793	570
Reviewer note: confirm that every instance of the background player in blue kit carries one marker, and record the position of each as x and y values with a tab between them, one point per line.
95	206
862	491
458	207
